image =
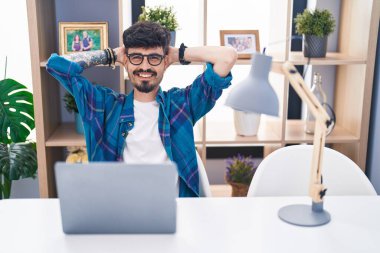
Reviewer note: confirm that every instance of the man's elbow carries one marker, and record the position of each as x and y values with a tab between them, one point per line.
226	61
230	57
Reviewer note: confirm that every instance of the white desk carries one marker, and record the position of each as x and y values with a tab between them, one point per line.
203	225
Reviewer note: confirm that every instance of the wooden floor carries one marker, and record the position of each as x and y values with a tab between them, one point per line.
221	190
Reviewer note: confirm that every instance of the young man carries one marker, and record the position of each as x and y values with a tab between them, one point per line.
148	125
87	42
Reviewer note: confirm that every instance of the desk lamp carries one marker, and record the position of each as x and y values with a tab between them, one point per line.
254	93
249	96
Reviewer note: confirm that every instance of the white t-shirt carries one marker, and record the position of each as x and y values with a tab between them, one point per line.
144	144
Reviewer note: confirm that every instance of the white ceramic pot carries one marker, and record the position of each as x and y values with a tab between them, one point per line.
246	124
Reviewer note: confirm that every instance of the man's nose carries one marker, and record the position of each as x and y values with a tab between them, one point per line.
145	64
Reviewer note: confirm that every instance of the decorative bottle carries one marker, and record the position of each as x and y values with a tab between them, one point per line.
317	90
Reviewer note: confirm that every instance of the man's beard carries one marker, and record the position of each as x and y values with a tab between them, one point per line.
145	87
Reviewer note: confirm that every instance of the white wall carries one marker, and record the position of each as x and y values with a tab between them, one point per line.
14	41
14	44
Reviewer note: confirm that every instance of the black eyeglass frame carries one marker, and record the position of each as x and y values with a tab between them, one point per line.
147	56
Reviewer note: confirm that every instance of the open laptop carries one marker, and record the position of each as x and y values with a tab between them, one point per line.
114	197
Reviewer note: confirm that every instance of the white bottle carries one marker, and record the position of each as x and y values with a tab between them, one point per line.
317	90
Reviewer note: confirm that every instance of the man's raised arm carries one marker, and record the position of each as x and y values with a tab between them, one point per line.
88	59
223	58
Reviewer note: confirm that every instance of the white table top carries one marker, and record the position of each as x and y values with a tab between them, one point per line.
203	225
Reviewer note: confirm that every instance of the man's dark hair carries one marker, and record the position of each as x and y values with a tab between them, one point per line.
146	34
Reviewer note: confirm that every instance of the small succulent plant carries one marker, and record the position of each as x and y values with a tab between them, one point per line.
240	169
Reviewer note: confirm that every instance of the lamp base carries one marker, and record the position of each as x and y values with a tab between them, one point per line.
304	215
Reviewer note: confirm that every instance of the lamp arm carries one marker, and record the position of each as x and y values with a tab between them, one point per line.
316	188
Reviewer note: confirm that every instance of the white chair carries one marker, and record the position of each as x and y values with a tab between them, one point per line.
286	172
204	185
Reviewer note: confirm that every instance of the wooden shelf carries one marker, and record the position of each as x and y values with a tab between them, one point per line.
223	133
277	58
65	135
295	133
297	58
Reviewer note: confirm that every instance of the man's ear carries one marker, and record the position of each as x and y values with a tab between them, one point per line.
126	67
166	61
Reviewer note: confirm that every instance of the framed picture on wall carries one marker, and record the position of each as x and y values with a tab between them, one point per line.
244	41
82	36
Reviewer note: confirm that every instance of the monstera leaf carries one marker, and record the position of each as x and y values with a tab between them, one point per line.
16	112
18	160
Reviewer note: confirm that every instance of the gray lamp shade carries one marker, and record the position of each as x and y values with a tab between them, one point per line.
254	93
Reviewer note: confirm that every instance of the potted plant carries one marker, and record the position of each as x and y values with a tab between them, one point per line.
239	174
77	154
18	157
165	16
71	107
315	26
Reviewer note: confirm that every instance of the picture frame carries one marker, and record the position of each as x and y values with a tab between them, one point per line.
82	36
245	42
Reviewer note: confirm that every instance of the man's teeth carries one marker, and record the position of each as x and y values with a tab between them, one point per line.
145	75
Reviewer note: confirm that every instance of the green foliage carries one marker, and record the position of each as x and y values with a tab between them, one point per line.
18	158
240	169
16	112
70	104
160	14
320	23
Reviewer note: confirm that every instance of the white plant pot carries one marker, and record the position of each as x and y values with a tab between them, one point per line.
246	124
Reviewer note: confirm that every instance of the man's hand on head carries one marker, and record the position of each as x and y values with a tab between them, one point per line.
172	56
121	56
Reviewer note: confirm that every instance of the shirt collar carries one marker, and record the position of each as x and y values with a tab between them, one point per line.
160	96
128	114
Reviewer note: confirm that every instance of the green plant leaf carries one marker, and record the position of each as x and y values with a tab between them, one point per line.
70	104
16	109
160	14
318	22
18	160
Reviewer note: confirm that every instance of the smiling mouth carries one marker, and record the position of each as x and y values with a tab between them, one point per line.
144	73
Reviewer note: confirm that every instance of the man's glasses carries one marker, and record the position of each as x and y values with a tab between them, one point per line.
153	59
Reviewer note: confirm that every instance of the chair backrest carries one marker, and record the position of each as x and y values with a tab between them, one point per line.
204	185
286	172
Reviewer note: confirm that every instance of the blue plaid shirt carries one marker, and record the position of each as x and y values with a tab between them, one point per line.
108	117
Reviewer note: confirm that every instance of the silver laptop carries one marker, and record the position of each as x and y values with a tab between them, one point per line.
114	197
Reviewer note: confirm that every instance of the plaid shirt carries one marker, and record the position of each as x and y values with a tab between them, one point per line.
108	117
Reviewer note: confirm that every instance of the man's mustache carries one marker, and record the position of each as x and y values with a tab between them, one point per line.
145	70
